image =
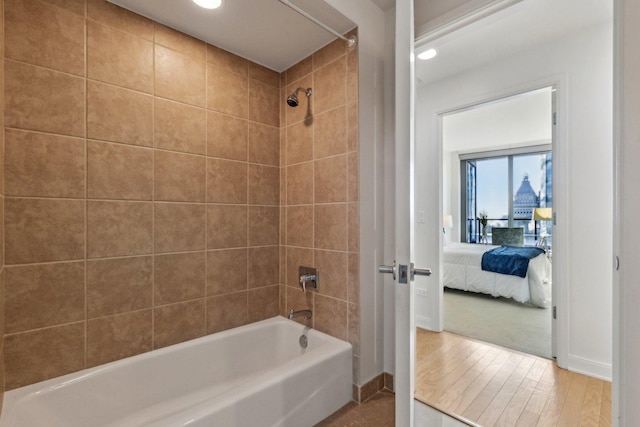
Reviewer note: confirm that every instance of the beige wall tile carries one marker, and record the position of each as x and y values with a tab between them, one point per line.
264	185
300	226
179	277
75	6
119	171
264	144
283	203
117	17
283	264
263	74
352	75
179	177
299	143
353	190
264	103
226	271
296	258
179	127
38	296
330	82
306	109
179	77
38	355
119	285
168	37
178	322
263	226
353	218
299	70
226	181
330	179
227	92
227	136
42	165
227	60
352	126
40	99
300	184
45	35
283	106
330	316
263	266
330	133
43	230
283	146
119	115
353	278
263	303
330	226
226	226
333	273
119	228
283	300
116	337
330	52
226	312
179	227
119	58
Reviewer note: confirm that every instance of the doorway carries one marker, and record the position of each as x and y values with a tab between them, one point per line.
498	189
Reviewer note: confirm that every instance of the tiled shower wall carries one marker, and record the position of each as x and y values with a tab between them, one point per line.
155	183
319	191
141	183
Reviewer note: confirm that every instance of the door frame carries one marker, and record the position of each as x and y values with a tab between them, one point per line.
559	275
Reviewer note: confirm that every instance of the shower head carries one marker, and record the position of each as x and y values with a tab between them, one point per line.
292	100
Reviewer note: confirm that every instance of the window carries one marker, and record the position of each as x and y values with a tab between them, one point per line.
507	186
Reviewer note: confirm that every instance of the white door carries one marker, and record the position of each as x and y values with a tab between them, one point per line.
404	197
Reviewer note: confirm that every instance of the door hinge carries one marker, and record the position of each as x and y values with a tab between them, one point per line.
554	118
555	312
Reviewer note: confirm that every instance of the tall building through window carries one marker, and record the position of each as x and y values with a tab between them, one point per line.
507	188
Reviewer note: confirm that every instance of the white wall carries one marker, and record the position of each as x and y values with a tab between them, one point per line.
582	67
371	42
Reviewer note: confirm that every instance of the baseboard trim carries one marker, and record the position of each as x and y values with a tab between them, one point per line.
423	322
590	368
364	392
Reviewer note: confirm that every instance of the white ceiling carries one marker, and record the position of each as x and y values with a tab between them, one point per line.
515	29
264	31
508	123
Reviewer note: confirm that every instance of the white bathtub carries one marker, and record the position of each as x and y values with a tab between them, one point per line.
254	375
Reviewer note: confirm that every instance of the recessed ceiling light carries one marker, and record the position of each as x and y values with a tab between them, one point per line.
208	4
428	54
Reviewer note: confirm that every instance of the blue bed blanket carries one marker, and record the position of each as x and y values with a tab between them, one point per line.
513	260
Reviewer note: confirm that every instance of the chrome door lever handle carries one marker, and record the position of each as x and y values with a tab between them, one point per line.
391	269
419	271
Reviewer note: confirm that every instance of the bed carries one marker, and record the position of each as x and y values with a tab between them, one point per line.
462	270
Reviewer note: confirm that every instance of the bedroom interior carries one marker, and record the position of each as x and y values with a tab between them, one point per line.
487	151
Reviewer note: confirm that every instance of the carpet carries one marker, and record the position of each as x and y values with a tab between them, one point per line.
499	321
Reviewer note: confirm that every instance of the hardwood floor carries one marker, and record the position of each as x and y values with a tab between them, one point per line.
492	386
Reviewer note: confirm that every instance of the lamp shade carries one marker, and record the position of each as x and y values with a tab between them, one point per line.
447	221
542	214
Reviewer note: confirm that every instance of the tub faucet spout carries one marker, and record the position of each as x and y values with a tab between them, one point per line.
293	314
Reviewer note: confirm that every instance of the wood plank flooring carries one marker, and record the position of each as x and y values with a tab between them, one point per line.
487	385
